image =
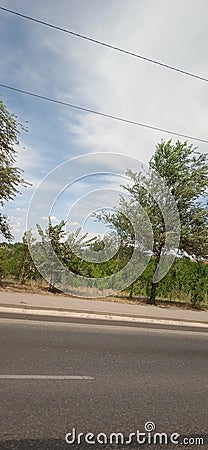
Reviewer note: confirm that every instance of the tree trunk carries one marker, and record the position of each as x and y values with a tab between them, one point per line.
51	287
154	284
131	290
23	273
152	298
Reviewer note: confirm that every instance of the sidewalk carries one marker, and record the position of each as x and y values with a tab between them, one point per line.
55	305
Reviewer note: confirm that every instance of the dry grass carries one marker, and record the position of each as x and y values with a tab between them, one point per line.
41	287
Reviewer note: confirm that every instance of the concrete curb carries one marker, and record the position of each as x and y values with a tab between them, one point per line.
98	313
45	314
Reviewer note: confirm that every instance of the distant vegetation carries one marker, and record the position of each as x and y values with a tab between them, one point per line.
186	281
185	174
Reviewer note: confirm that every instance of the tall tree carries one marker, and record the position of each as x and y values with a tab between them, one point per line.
185	172
10	175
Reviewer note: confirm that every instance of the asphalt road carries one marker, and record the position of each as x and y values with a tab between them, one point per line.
135	376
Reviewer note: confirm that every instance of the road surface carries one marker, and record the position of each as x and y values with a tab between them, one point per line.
102	379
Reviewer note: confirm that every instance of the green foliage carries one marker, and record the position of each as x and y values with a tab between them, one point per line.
199	283
16	262
28	269
68	247
11	259
10	175
185	172
186	281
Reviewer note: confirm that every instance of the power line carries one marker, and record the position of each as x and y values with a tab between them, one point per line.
104	44
99	113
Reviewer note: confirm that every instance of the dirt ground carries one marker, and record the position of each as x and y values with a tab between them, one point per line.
121	297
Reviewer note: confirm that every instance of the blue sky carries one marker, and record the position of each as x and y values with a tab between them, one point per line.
51	63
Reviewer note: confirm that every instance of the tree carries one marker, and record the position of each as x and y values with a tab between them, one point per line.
185	172
28	269
68	248
50	241
10	175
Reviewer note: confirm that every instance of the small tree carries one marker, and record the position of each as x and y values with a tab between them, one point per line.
68	247
28	269
50	241
10	175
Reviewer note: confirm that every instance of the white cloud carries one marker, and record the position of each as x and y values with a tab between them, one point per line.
83	73
53	219
20	210
73	224
28	157
111	82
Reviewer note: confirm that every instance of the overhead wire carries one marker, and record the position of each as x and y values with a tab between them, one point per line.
105	44
102	114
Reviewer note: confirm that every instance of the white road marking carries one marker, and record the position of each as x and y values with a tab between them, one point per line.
45	377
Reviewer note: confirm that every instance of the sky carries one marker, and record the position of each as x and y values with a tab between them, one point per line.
54	64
